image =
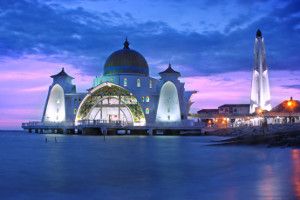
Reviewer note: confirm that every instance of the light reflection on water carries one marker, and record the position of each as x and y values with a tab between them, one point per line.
79	167
268	186
296	171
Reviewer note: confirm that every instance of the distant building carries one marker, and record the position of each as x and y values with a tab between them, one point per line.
234	109
287	111
260	91
288	106
208	112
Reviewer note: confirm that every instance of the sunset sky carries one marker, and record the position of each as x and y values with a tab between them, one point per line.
209	42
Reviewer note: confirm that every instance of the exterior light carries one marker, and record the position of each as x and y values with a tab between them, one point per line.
259	111
291	104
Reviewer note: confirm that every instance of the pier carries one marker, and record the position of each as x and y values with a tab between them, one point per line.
96	128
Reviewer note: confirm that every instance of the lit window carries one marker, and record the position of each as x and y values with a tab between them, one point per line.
150	84
147	111
125	82
75	111
143	99
147	98
138	82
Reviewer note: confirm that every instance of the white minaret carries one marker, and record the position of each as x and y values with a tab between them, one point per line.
260	91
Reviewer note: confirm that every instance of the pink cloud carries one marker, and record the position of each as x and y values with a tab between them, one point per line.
235	87
24	84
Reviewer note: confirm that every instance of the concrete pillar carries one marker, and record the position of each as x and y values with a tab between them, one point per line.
79	131
150	131
103	130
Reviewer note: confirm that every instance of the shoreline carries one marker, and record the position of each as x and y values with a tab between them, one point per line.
290	139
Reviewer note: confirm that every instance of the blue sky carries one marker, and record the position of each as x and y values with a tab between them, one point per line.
204	40
202	36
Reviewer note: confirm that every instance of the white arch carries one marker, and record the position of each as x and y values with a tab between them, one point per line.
168	106
100	111
56	110
125	111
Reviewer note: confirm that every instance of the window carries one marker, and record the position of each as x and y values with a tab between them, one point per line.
143	99
75	110
147	111
147	98
138	82
150	84
125	82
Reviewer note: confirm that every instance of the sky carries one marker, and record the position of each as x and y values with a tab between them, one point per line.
209	42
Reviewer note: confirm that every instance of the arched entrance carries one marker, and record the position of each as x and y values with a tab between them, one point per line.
168	106
55	110
110	103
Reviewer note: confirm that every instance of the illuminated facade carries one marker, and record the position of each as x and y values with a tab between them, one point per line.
260	91
124	95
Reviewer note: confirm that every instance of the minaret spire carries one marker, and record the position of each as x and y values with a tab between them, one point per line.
260	91
258	33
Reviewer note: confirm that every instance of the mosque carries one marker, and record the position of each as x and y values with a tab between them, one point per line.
124	96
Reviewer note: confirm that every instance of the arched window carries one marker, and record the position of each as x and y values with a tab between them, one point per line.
147	111
138	82
125	82
143	99
147	98
150	84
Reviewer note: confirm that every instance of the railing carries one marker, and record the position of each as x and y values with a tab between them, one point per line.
111	123
182	123
104	122
38	123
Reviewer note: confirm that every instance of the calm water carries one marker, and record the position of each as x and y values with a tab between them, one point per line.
87	167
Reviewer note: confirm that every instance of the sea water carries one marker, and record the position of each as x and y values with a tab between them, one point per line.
143	167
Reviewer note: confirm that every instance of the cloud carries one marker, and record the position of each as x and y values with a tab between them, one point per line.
292	86
85	39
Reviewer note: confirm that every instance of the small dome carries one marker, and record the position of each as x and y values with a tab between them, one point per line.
126	61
